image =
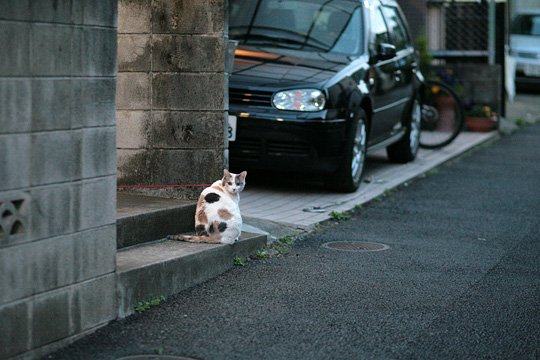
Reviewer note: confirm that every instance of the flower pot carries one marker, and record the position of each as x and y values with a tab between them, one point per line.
480	124
447	113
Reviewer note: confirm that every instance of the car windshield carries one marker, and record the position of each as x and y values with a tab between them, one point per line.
330	26
526	25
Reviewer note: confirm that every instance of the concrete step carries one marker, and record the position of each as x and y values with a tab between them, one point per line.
159	269
143	219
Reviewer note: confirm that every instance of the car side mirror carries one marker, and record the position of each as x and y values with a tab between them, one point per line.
386	51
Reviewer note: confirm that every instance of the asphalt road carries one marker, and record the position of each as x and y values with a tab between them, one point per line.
461	280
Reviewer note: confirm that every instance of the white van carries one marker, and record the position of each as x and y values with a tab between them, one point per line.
525	47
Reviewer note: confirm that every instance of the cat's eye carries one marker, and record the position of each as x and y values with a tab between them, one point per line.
229	183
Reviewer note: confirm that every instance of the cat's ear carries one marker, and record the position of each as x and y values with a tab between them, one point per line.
243	175
226	176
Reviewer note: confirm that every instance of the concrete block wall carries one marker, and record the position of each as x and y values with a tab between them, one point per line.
57	172
171	107
481	83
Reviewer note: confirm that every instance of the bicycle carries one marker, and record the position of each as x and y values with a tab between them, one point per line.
442	115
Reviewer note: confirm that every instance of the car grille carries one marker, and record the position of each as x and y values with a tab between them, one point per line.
254	149
285	148
250	97
528	55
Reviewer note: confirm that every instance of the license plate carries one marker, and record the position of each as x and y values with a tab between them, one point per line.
531	70
231	128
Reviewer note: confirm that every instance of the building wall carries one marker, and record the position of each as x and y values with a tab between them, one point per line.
171	94
57	171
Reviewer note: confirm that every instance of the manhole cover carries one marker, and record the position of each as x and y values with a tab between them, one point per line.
154	357
355	246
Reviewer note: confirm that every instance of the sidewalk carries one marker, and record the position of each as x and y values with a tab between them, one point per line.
304	209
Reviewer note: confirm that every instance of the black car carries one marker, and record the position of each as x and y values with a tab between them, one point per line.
317	83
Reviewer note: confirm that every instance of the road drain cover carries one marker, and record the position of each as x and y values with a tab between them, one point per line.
154	357
355	246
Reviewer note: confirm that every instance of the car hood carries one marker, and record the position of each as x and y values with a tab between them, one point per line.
278	68
526	43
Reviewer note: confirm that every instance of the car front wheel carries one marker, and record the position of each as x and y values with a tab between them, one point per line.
349	174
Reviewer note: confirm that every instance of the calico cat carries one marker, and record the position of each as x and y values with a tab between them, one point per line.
218	218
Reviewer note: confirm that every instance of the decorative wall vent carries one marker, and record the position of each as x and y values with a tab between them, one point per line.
13	218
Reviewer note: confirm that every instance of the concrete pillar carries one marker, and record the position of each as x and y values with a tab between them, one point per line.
57	172
170	95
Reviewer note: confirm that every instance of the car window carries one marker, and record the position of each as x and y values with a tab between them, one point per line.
313	25
379	31
526	25
398	32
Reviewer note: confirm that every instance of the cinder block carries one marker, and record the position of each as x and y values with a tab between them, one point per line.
51	104
51	49
188	17
56	157
15	155
188	91
50	317
134	16
15	10
101	60
133	91
188	53
54	210
15	105
169	166
16	281
95	302
93	102
15	329
15	40
95	252
98	202
132	167
98	151
101	13
134	52
56	11
186	130
131	129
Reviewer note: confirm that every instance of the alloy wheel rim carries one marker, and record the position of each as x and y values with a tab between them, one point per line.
414	137
358	149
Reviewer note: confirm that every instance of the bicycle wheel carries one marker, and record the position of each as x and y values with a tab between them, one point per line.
442	115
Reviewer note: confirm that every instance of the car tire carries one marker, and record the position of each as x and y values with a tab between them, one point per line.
349	174
406	148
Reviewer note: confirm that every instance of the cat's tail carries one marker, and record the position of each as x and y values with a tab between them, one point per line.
213	238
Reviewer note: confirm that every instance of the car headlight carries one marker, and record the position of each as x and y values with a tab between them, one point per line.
300	100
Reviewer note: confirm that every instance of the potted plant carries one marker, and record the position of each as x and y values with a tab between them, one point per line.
480	118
